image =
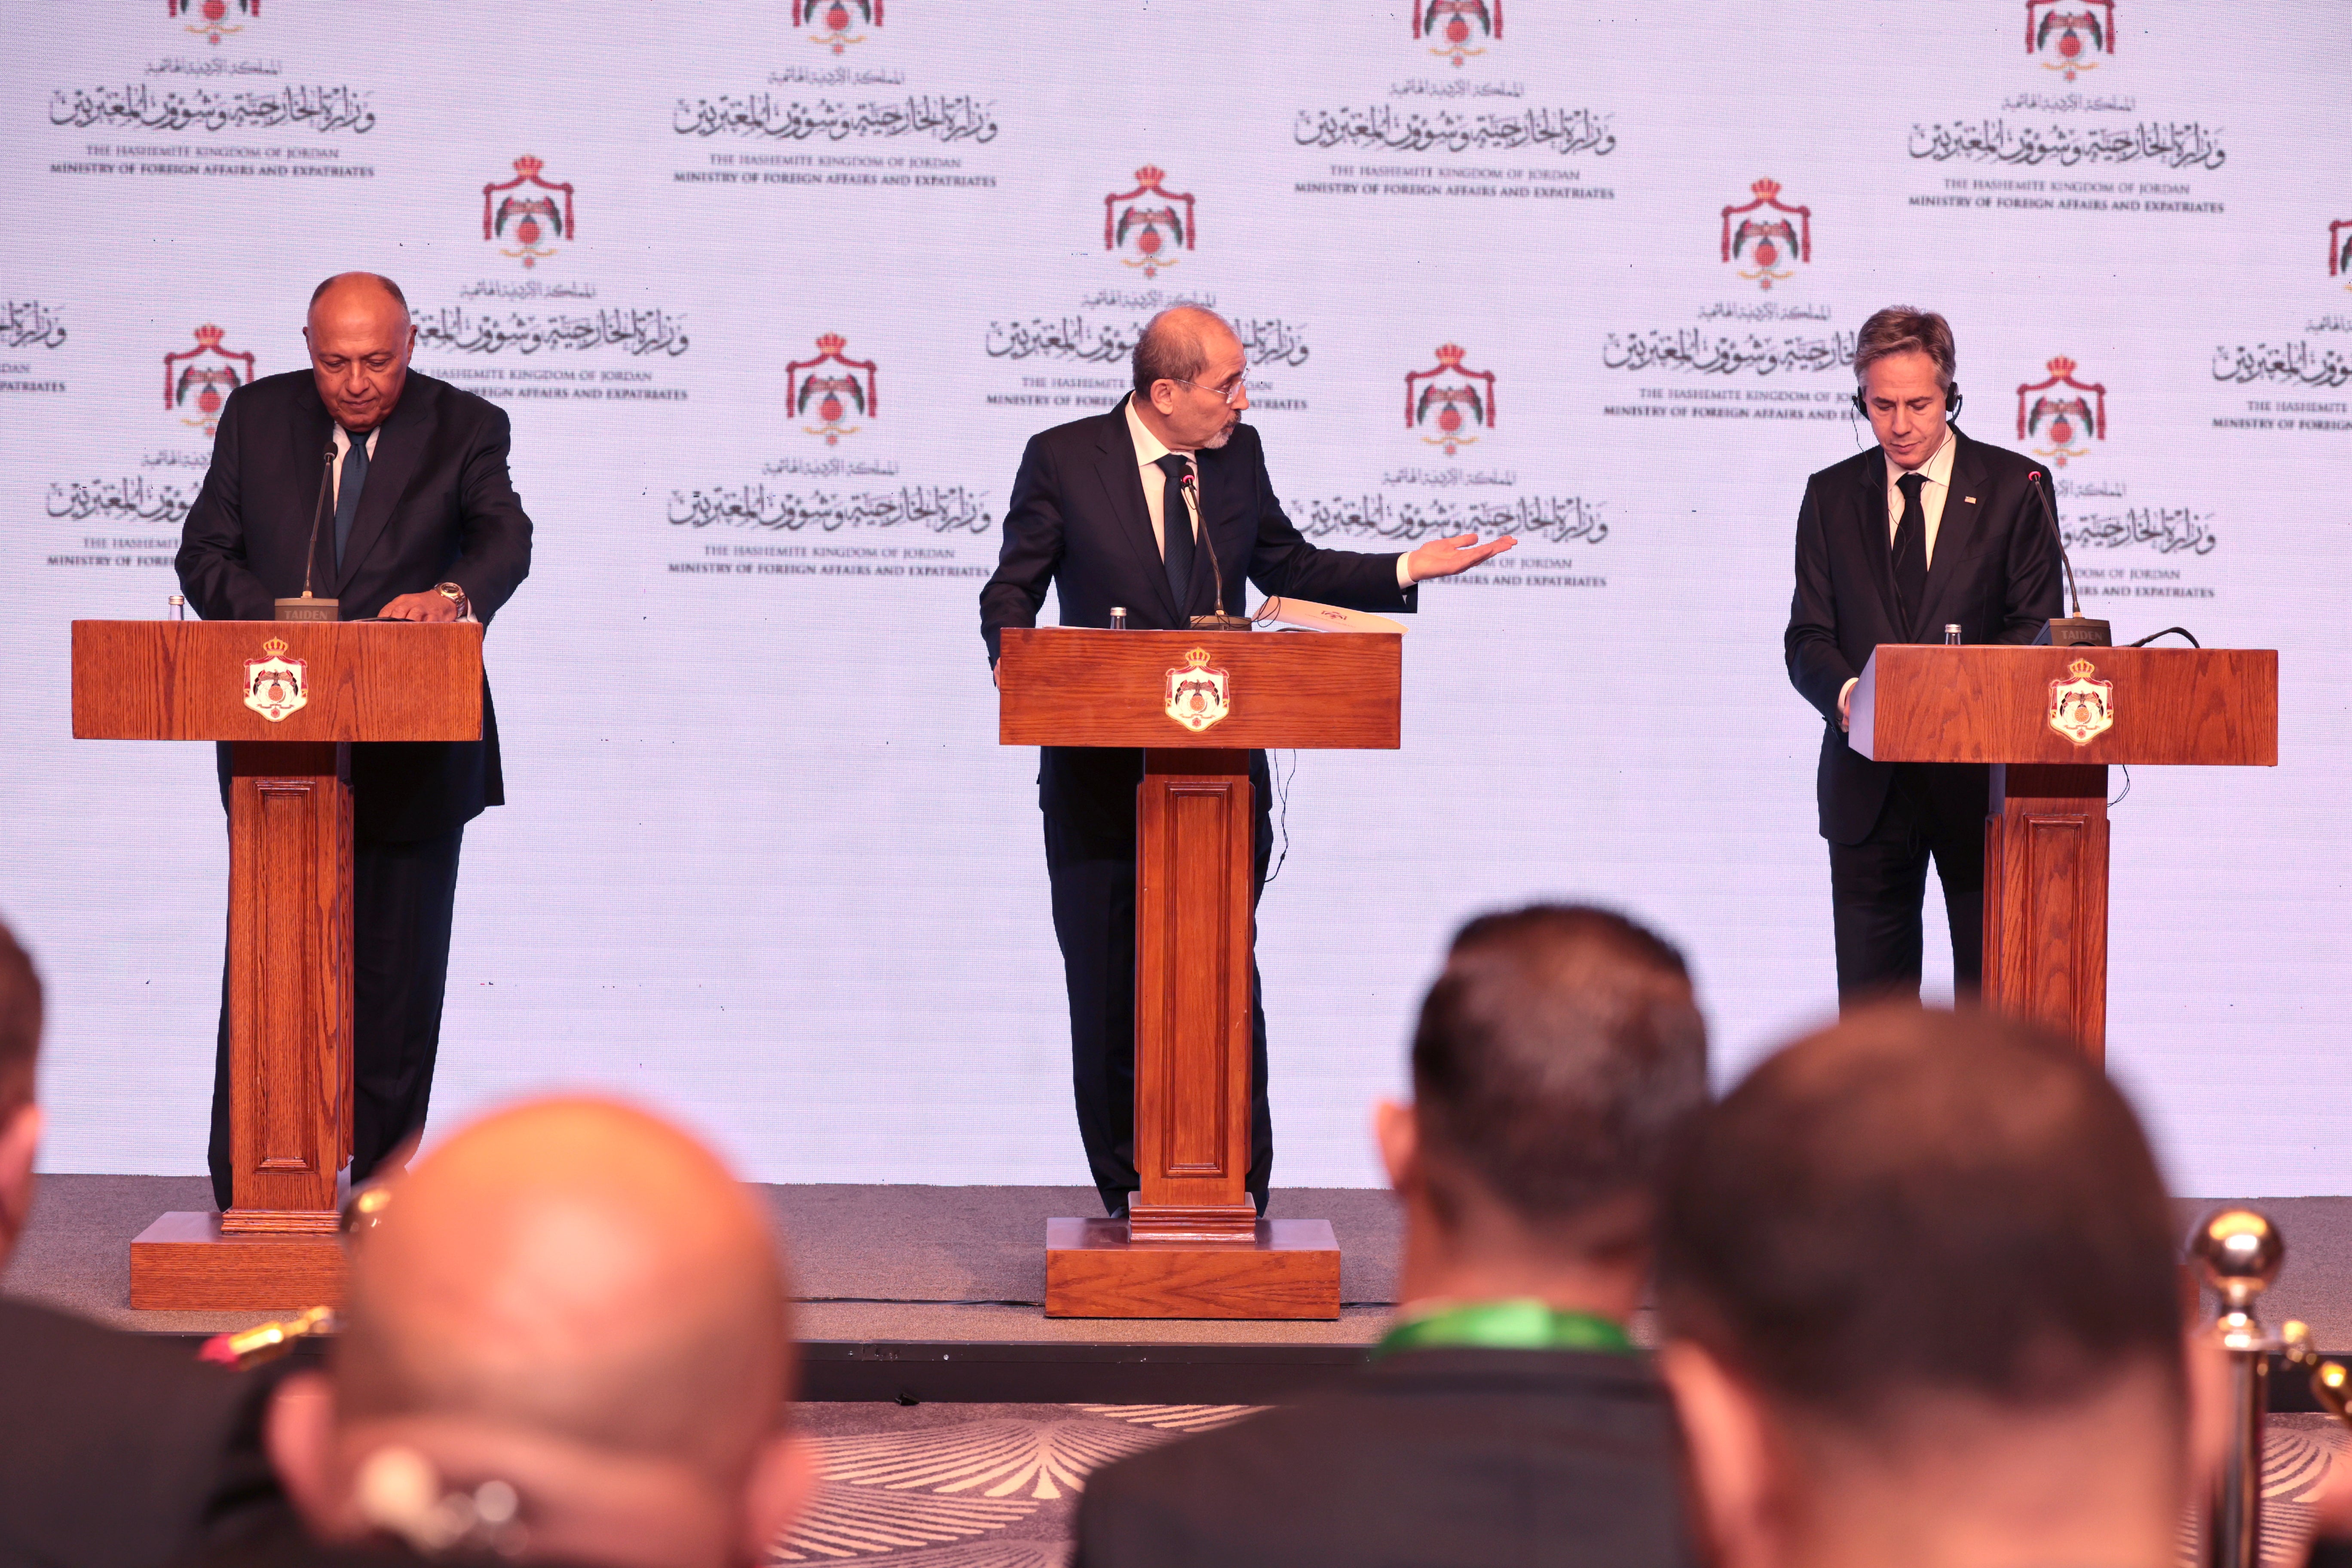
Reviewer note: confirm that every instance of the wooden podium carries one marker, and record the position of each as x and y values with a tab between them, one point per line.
291	695
2050	720
1197	703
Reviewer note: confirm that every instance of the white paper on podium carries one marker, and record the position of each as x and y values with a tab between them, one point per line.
1313	617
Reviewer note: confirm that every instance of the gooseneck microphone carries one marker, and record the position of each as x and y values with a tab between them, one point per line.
2067	631
307	609
1220	622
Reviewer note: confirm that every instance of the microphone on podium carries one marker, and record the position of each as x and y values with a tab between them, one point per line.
2067	631
1220	622
307	609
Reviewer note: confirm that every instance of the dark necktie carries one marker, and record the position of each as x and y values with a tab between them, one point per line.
347	491
1176	528
1910	551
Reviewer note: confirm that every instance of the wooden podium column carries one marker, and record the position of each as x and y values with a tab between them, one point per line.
2045	899
1192	910
290	1048
289	999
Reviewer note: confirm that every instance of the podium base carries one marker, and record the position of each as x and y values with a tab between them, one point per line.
1289	1268
183	1263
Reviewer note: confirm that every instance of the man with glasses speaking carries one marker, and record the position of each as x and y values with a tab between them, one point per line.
1091	515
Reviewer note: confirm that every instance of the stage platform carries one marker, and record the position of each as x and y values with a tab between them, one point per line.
931	1293
937	1293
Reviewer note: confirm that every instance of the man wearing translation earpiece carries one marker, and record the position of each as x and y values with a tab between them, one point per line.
1926	530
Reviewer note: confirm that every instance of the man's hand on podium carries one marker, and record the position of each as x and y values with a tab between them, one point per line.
1449	557
430	605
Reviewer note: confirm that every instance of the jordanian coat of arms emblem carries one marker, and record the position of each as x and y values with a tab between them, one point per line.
1198	695
1763	233
1147	226
274	684
1454	402
2070	36
833	387
2081	709
2059	409
197	381
528	219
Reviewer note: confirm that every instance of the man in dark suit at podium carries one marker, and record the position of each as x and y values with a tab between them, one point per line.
1089	517
415	519
1927	531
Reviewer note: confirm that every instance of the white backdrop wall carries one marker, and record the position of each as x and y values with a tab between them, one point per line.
764	864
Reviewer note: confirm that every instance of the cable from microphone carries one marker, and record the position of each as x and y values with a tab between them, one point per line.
1220	622
307	609
2067	631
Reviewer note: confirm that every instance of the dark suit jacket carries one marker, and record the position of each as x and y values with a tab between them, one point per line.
1995	571
112	1445
437	508
1440	1456
1077	521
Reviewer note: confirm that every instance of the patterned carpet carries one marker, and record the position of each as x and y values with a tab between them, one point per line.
968	1486
994	1486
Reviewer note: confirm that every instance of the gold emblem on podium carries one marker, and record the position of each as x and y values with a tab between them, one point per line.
274	684
2081	709
1198	696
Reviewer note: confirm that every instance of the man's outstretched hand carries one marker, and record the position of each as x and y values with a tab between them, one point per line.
1448	557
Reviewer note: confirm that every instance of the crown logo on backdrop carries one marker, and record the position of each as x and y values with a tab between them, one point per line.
528	167
209	335
2061	366
1767	189
832	343
1151	174
1451	353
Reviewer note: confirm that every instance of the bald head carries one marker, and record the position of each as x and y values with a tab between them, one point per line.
1175	345
580	1270
1188	378
360	338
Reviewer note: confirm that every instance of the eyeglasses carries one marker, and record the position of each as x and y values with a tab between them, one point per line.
1232	392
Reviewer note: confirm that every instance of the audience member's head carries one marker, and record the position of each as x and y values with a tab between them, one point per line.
1920	1288
1555	1058
576	1301
20	1117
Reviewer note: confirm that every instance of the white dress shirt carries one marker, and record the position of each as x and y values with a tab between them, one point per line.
1148	450
1937	471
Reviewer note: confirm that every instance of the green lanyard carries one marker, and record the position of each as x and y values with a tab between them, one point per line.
1525	1324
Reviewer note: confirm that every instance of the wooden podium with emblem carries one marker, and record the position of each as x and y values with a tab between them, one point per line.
290	696
2051	720
1197	703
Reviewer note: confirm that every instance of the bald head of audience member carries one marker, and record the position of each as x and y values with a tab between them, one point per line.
1919	1289
20	1117
1555	1058
579	1301
360	339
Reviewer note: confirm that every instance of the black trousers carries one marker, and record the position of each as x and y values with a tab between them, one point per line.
404	896
1090	861
1877	886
